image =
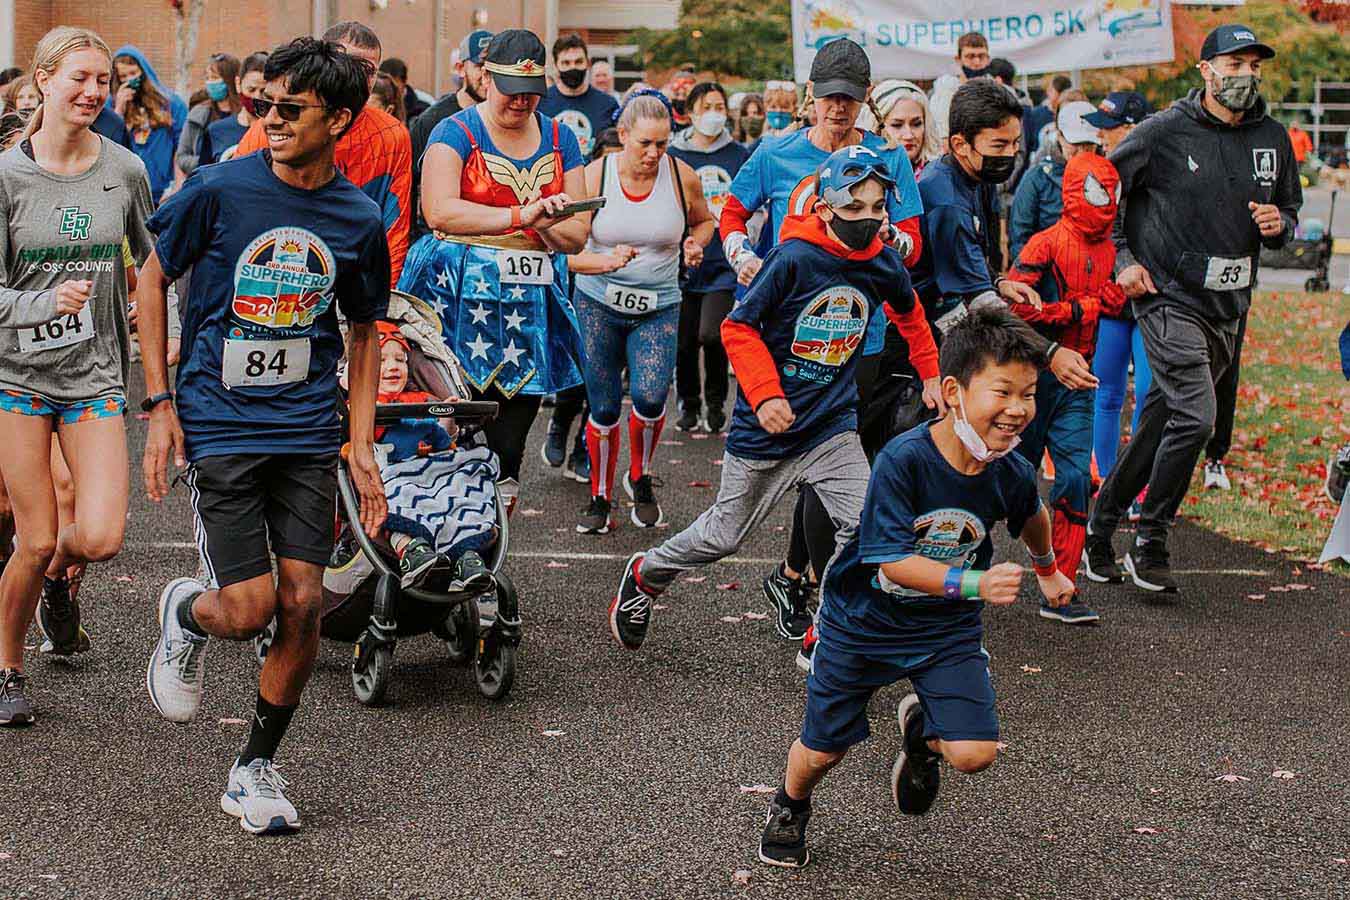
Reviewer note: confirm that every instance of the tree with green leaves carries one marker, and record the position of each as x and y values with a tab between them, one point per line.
751	39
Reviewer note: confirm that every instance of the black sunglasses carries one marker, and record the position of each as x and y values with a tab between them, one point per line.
289	112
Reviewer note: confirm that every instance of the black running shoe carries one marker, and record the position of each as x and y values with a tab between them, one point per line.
916	776
646	511
688	419
1338	474
472	575
14	706
58	616
579	464
783	842
715	420
1099	559
1150	567
416	558
598	518
630	612
792	615
554	448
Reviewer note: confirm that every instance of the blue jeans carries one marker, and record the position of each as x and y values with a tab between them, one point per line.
647	343
1117	341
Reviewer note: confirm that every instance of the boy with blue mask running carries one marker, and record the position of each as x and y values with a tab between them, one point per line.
903	598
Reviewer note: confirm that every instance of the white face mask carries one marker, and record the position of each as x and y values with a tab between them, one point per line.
710	124
974	444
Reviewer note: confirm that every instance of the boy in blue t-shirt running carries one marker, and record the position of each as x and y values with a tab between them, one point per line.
903	598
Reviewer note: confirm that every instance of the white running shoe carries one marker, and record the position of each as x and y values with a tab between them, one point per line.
174	676
254	797
1216	477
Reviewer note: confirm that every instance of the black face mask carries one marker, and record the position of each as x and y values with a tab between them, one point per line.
996	169
975	73
754	125
572	78
856	234
678	106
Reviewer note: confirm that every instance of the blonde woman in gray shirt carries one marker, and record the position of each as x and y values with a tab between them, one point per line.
68	198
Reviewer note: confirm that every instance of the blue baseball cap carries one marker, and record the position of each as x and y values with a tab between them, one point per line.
844	168
1233	39
1120	108
473	46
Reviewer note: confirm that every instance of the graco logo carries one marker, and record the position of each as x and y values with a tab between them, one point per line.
75	223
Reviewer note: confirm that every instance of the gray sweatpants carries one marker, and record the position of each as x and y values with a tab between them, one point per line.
751	490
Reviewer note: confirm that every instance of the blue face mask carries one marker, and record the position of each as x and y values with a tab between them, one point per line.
217	90
777	119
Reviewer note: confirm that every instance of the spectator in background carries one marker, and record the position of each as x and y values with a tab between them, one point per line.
469	71
1043	113
972	55
677	91
386	96
11	129
905	118
602	78
780	107
1038	202
1116	117
1048	135
1301	141
154	115
412	105
572	100
750	119
21	96
222	102
8	75
223	135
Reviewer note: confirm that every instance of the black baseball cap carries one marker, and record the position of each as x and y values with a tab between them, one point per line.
471	49
841	67
515	58
1231	39
1120	108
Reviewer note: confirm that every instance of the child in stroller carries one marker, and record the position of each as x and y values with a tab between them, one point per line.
441	504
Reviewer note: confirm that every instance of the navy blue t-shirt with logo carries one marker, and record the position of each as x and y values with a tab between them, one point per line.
918	504
587	114
716	169
811	309
261	343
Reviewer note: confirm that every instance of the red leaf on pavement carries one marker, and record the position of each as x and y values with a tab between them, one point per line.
729	586
531	512
731	620
125	579
741	877
758	789
699	437
700	484
1298	587
1145	829
1284	774
696	579
554	564
1232	777
553	732
754	616
233	722
1256	596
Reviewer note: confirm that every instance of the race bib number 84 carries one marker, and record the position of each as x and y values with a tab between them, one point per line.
264	363
524	267
59	332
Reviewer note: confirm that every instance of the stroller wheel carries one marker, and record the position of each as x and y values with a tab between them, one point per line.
370	673
460	633
494	670
263	642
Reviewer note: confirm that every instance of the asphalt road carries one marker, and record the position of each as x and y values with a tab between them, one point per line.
1117	738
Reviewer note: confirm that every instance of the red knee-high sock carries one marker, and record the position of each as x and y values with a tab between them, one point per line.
602	443
643	435
1068	533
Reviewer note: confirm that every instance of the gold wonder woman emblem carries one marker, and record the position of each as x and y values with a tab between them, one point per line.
525	183
525	68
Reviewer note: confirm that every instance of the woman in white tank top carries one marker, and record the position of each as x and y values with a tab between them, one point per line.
628	299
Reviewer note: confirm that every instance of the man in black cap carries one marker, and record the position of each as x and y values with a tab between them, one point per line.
469	68
1116	117
1205	185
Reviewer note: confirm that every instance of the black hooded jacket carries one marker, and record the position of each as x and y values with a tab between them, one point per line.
1186	179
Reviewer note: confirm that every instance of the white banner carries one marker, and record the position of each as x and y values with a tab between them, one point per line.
917	38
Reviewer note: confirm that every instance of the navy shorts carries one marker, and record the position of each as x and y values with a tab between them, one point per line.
954	686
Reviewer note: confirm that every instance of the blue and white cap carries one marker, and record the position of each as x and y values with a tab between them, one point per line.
837	175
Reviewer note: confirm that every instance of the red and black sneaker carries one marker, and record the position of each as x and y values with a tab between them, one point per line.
630	612
808	649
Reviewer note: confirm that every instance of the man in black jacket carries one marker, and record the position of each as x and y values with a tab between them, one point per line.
1206	184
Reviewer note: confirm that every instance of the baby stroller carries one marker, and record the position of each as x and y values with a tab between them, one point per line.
363	601
1307	253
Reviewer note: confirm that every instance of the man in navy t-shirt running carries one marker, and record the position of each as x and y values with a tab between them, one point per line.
272	240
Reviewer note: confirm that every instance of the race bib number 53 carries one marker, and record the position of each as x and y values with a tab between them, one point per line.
524	267
1228	274
264	363
59	332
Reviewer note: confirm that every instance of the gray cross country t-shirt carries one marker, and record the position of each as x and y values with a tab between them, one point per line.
60	228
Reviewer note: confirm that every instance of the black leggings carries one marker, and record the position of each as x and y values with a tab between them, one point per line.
506	435
813	532
701	318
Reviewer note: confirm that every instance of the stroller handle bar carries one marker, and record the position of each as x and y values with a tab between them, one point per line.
462	410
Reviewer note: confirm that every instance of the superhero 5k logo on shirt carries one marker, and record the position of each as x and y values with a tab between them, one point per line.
829	329
284	279
951	536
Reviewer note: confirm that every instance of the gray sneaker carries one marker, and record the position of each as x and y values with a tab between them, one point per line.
14	706
173	677
254	797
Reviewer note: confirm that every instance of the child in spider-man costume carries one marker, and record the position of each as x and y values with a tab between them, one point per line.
1071	264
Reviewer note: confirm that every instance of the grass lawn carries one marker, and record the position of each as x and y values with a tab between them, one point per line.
1293	412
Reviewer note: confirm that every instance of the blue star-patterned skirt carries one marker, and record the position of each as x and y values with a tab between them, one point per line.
505	314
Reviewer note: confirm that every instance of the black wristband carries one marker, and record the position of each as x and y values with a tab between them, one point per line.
1050	352
150	403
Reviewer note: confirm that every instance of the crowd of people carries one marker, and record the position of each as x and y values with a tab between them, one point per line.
924	298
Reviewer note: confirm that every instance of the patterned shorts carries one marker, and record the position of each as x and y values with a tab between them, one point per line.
67	413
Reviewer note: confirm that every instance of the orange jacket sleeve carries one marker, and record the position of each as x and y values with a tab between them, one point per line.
253	140
913	327
755	370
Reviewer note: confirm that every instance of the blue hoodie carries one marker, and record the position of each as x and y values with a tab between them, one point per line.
157	148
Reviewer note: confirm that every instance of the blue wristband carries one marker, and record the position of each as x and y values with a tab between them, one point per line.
951	585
